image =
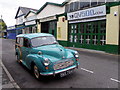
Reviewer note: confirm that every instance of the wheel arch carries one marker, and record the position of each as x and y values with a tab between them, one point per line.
33	60
32	65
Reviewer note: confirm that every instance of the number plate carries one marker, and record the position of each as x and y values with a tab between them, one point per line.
66	73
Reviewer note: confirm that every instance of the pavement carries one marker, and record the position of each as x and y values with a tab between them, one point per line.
0	77
6	80
6	83
92	51
94	76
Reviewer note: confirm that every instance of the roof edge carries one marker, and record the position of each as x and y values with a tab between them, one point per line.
50	3
17	12
29	12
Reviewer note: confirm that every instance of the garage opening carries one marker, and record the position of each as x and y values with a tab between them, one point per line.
45	27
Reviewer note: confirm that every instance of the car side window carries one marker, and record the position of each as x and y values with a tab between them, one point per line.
26	43
21	41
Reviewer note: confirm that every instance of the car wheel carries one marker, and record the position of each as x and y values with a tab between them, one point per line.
17	58
36	72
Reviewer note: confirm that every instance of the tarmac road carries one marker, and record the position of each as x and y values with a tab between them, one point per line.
97	70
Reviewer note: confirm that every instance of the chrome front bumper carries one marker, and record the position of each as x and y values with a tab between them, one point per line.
59	71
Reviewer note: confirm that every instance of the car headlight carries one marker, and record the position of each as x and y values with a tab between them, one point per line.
46	62
76	55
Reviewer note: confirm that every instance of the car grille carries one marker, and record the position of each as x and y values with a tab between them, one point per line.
62	65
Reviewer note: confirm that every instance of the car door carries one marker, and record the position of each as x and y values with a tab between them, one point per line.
19	45
25	49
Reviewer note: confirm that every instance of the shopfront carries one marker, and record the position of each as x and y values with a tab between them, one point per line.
31	22
88	34
49	25
87	28
30	27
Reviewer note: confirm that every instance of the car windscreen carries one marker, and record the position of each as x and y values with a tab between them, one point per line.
40	41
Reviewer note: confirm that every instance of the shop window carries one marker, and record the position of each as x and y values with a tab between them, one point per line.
67	8
76	5
30	30
103	27
52	25
52	32
102	40
75	26
34	29
75	38
76	29
79	6
101	2
71	29
71	38
88	28
93	2
84	4
81	28
81	39
87	39
12	31
95	40
95	27
19	32
71	6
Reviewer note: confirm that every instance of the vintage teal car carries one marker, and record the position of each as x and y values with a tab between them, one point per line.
41	53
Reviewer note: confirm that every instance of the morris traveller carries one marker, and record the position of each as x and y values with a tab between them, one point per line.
41	53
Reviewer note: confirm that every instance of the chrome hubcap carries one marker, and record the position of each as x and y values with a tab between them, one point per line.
36	72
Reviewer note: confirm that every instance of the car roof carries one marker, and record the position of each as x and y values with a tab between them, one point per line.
33	35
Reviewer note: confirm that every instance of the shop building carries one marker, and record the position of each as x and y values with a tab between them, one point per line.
11	32
47	17
30	22
20	19
92	25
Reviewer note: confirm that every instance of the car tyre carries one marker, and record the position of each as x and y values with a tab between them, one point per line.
36	72
18	59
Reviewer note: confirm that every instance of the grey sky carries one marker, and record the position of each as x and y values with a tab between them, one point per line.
8	8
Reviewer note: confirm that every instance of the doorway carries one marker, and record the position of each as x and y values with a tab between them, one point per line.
45	27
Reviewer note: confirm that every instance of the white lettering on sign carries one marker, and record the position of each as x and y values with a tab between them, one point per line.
92	12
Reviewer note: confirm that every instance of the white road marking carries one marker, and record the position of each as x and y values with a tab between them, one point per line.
9	76
87	70
115	80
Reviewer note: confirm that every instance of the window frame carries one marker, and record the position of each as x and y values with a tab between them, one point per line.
27	45
20	41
